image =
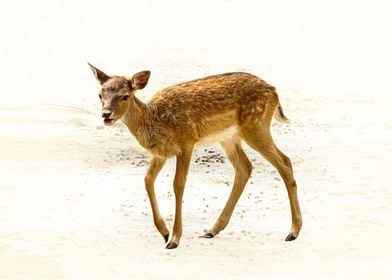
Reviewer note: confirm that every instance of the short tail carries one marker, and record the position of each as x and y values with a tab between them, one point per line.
279	115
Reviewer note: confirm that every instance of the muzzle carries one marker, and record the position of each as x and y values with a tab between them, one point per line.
107	116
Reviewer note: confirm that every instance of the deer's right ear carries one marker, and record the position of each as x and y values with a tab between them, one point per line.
99	75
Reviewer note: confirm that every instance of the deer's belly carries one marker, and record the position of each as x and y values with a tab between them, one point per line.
221	136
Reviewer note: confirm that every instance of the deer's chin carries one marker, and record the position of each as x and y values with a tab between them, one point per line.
109	121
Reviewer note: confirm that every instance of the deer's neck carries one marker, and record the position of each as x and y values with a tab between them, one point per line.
138	120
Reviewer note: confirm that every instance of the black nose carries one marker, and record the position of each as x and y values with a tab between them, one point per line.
106	115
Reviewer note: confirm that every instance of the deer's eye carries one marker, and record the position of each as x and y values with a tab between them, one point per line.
125	98
100	96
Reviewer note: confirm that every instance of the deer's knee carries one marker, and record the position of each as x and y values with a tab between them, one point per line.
285	160
244	171
248	168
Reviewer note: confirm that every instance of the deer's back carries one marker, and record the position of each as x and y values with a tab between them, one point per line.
203	107
219	93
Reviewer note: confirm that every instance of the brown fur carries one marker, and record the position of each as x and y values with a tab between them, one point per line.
227	108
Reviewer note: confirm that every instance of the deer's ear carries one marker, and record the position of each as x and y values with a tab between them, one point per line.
140	80
99	75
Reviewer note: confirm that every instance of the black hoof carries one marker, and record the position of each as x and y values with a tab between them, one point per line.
171	245
290	237
207	235
166	237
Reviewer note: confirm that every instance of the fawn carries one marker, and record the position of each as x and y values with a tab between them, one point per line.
226	108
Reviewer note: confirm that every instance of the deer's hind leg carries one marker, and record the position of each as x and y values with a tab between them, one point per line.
260	139
242	168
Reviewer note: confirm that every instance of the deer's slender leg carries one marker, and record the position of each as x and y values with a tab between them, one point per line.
242	168
182	167
261	140
152	173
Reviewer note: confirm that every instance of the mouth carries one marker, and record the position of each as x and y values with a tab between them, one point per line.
109	121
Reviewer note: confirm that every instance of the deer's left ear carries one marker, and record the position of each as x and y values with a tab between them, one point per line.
140	80
99	75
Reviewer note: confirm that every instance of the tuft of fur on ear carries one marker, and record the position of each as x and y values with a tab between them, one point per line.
99	75
140	80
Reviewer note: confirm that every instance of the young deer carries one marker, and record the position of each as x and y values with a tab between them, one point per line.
224	108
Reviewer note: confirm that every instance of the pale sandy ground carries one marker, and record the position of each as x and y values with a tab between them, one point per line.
72	200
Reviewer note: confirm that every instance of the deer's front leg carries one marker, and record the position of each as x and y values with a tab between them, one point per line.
152	173
182	167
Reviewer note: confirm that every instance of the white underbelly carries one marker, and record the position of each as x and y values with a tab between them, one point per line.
222	136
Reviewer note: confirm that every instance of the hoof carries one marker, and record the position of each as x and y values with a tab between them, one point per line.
166	237
171	245
290	237
207	235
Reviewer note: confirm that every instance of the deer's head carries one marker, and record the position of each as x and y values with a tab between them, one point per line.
117	92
